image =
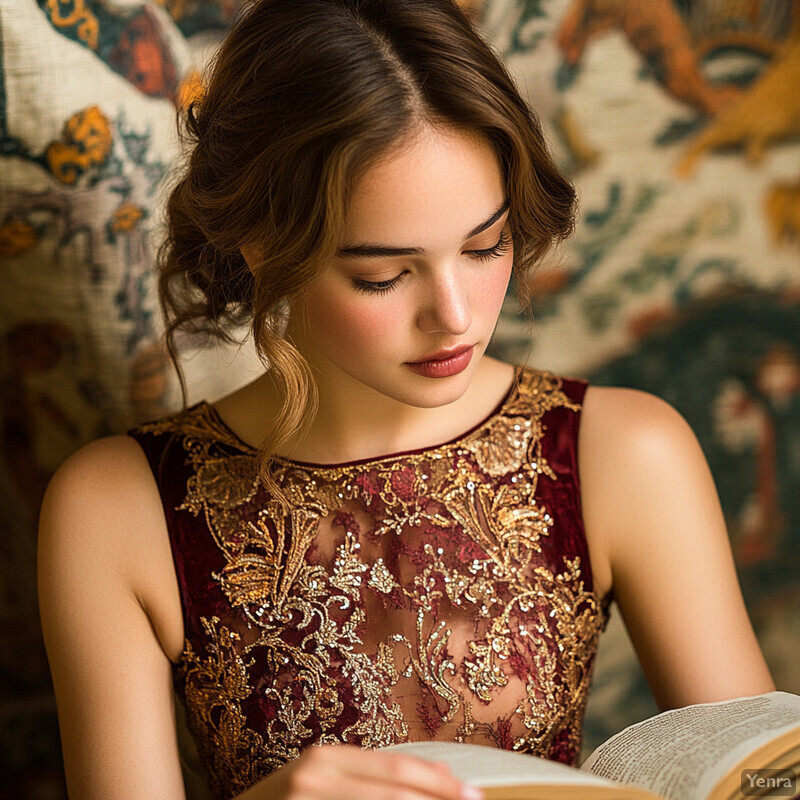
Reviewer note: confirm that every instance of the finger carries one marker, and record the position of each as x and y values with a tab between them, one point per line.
350	786
391	791
409	773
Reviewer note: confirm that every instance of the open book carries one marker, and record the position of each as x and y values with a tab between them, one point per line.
710	751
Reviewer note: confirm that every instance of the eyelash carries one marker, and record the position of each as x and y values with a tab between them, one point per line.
500	249
382	287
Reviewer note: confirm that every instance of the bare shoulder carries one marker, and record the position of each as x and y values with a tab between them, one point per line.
635	451
636	455
102	519
94	490
103	464
631	440
614	414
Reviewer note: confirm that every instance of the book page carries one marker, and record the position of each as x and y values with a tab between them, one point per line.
490	766
682	753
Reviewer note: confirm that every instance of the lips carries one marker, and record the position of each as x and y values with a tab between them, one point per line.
443	355
443	363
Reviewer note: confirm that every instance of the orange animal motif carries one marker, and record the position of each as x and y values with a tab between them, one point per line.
584	155
768	112
472	7
190	89
149	382
782	206
657	31
142	57
31	349
16	236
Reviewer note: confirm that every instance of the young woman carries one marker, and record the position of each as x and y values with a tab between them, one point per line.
388	536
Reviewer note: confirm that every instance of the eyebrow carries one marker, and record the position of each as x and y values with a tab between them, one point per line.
384	251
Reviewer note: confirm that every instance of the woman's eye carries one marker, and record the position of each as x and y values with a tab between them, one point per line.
376	287
501	248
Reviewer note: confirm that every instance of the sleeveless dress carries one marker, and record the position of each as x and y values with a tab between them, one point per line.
441	594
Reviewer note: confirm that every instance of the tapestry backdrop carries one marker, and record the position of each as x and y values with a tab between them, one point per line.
678	120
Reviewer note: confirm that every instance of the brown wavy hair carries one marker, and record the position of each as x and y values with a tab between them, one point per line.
302	97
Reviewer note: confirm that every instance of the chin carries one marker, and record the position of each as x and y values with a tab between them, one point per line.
436	392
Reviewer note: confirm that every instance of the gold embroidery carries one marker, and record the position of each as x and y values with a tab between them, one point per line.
429	662
348	568
381	579
213	687
227	482
249	580
500	446
404	598
565	626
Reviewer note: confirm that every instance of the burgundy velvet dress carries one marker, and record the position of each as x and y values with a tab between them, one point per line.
443	593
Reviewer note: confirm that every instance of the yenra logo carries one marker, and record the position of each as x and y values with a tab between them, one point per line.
769	782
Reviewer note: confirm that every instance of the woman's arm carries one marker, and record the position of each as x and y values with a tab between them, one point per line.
103	557
655	525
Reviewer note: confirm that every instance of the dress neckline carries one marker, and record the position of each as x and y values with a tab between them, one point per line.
290	462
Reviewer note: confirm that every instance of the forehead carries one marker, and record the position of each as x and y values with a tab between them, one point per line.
436	184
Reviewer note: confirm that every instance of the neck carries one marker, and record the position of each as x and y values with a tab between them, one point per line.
355	422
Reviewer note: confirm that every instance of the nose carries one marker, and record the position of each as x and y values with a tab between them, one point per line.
445	306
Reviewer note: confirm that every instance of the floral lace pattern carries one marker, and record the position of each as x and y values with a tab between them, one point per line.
427	595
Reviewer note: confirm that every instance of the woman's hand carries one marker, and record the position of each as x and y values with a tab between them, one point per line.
346	772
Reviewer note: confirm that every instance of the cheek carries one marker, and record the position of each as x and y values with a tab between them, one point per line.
355	323
491	289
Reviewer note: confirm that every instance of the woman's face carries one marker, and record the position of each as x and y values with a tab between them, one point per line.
420	275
